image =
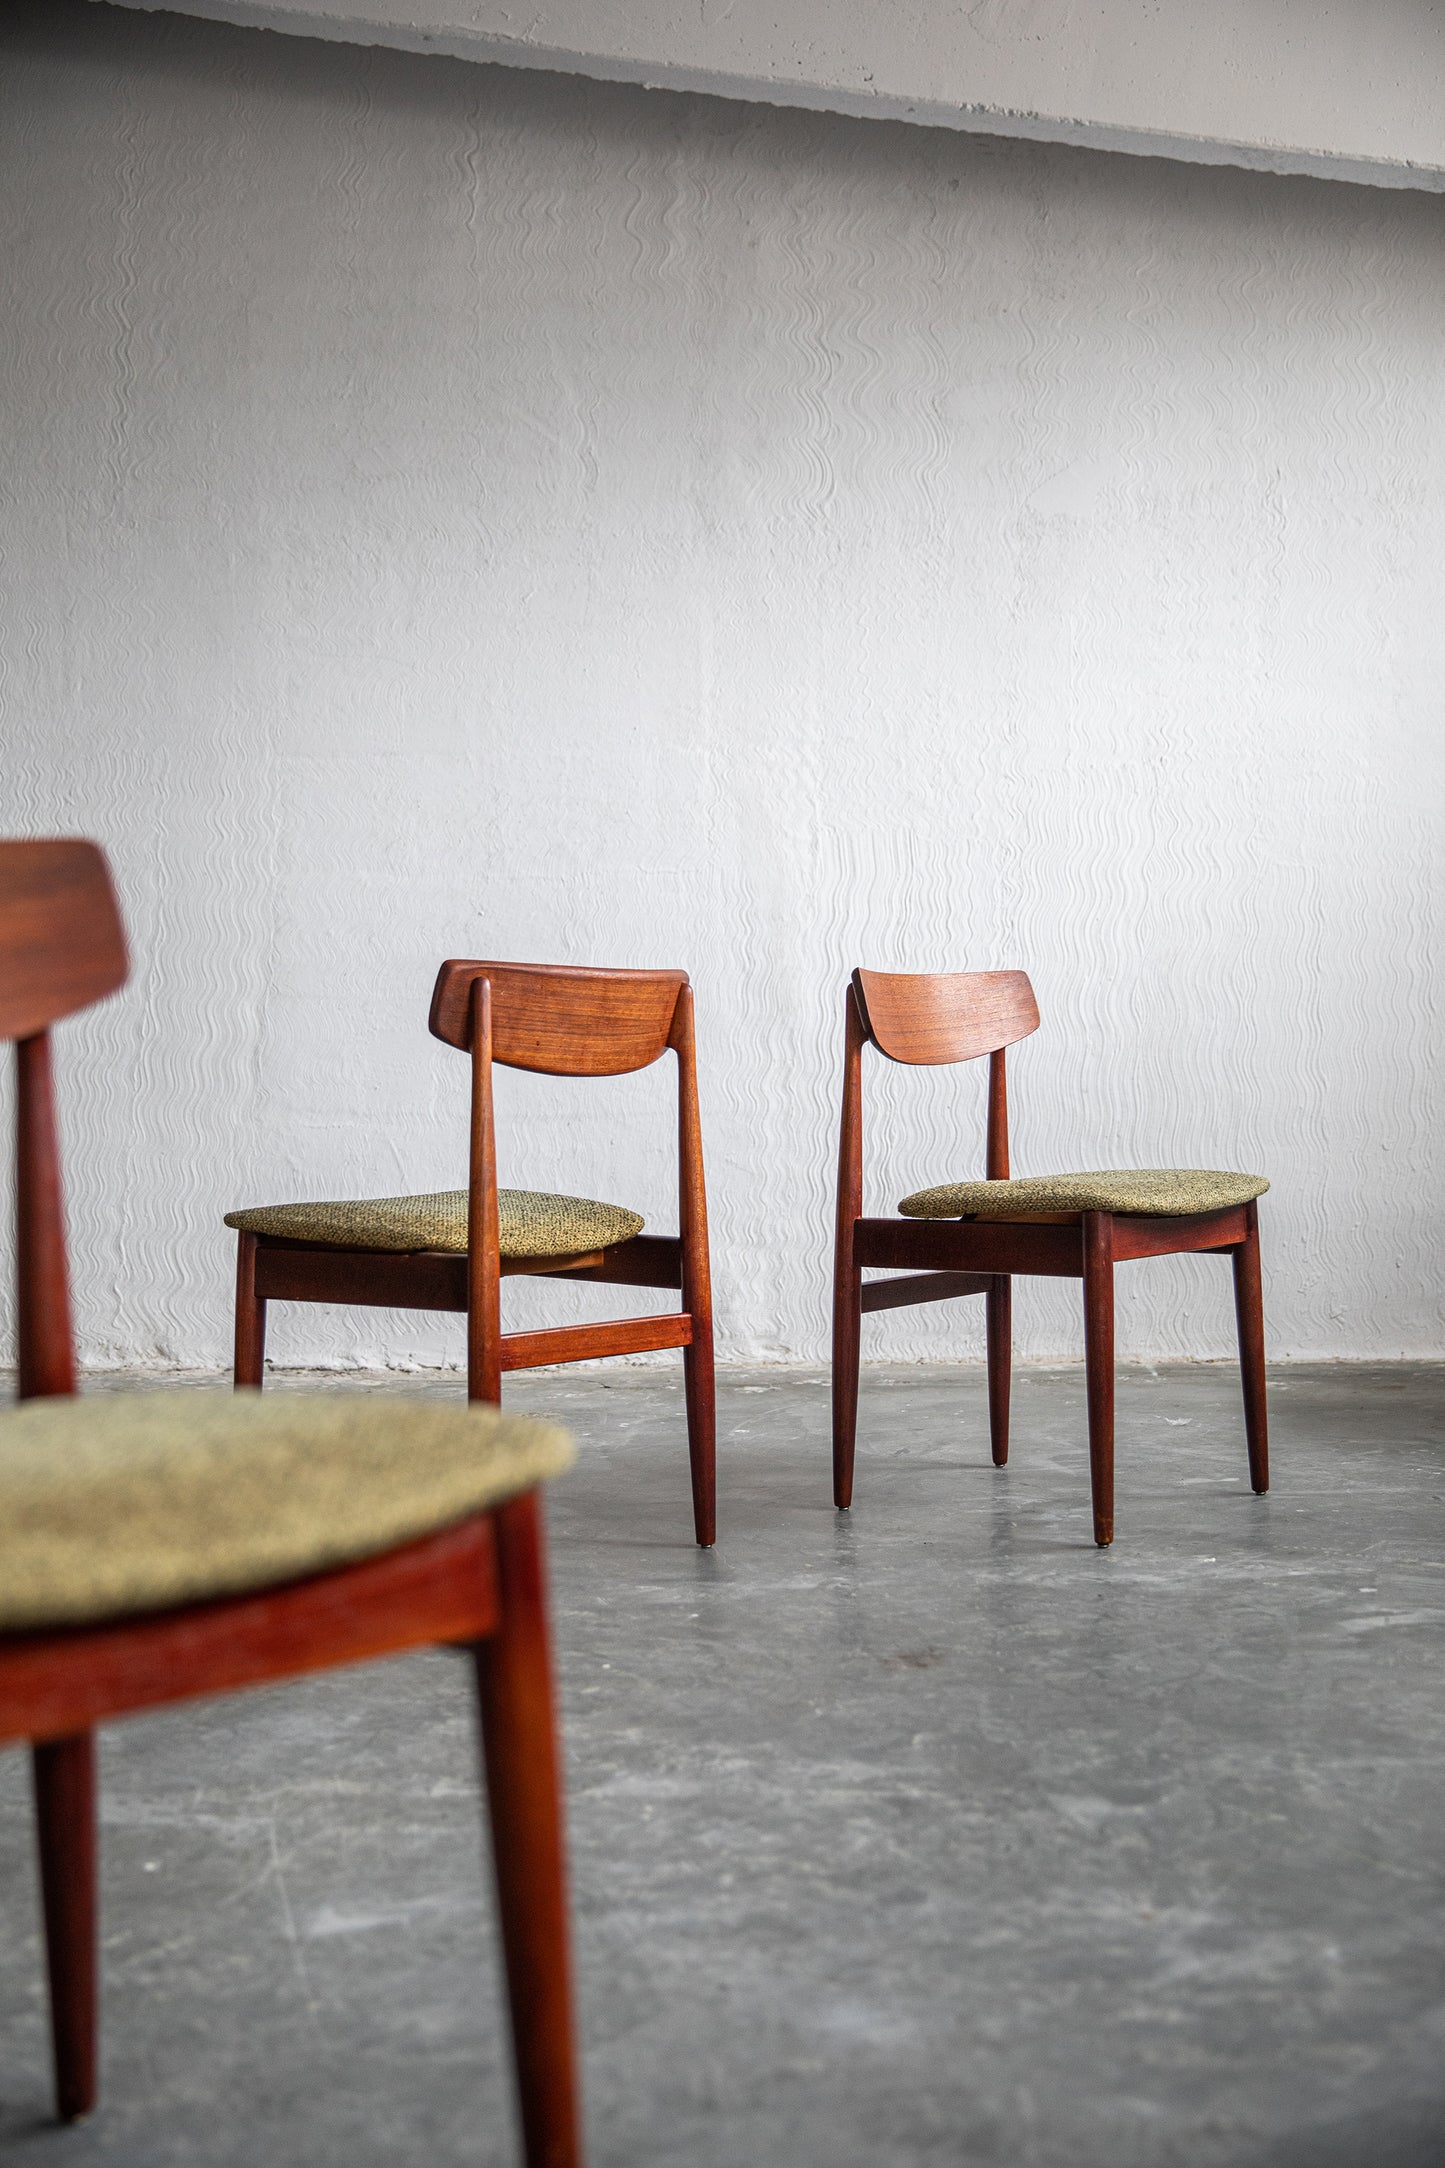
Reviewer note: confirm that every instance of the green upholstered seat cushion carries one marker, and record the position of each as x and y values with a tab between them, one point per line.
1150	1192
138	1501
533	1223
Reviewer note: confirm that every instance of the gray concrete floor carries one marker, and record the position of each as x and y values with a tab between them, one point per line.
927	1834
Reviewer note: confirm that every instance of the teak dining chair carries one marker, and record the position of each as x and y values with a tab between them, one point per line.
159	1546
452	1250
972	1238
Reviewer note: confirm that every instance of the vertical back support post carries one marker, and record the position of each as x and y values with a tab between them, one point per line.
46	1352
847	1276
484	1263
996	1164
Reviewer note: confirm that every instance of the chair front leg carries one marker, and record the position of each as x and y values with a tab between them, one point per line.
250	1350
1249	1312
847	1335
64	1779
524	1791
1099	1365
999	1305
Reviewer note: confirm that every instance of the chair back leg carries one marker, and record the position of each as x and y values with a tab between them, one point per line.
1249	1312
1099	1365
524	1791
700	1388
999	1305
64	1778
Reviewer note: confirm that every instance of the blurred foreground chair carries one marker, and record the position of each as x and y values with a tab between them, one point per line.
452	1250
157	1546
971	1238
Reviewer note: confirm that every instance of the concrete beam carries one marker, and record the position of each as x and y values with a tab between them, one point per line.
1326	87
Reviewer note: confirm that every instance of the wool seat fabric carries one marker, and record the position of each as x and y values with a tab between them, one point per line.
141	1501
533	1223
1146	1192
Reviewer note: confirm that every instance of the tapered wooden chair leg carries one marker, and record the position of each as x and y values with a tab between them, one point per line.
847	1334
250	1356
1249	1311
1099	1366
64	1777
999	1305
700	1387
523	1767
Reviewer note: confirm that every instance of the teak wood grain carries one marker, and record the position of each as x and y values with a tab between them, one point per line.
561	1020
983	1246
480	1583
441	1588
62	945
914	1287
557	1020
699	1387
1138	1237
62	1773
1099	1367
927	1017
586	1343
45	1354
644	1261
287	1271
957	1016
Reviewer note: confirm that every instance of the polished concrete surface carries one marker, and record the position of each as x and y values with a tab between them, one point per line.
925	1834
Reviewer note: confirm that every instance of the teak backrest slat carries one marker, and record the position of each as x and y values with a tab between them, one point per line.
560	1021
61	948
942	1016
61	942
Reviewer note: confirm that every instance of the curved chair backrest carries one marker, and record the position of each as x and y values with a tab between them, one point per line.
62	945
941	1016
562	1021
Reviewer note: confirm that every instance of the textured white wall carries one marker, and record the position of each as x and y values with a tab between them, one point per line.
459	511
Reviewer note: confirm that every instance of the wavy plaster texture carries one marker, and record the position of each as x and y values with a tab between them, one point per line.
460	511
